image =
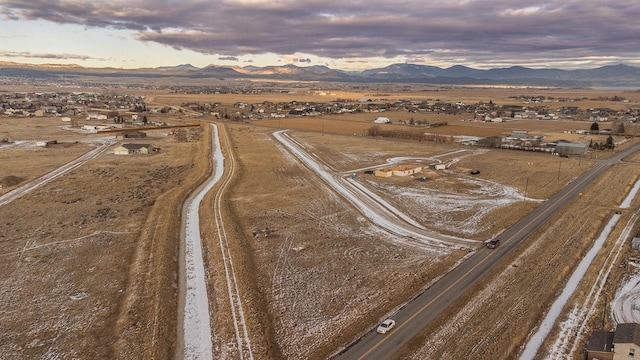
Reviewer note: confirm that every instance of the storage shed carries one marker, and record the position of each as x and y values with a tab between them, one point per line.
382	120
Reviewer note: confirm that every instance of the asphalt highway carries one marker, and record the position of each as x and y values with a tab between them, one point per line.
417	314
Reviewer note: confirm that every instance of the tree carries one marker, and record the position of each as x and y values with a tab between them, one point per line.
145	120
595	126
620	128
609	144
375	130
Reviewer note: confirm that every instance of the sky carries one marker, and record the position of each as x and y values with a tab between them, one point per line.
347	35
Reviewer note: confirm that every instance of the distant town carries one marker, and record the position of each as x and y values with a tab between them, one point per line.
76	106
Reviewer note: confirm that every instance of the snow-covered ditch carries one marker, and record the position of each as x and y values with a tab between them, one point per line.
575	325
198	343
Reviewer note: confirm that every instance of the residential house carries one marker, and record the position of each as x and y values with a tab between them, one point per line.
406	170
386	172
398	170
600	346
621	344
129	149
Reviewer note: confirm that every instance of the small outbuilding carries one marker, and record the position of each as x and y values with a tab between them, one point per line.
46	143
382	120
134	135
519	134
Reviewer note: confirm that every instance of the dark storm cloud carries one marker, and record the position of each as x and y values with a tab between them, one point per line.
458	31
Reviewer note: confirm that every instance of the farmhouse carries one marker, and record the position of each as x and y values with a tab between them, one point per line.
624	343
128	149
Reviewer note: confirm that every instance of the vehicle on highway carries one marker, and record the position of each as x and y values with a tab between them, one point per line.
386	326
493	243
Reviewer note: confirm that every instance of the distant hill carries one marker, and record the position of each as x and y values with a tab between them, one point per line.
615	75
187	67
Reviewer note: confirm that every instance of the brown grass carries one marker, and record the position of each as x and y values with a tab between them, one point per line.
110	230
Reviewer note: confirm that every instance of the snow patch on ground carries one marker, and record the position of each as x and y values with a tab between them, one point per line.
625	306
438	208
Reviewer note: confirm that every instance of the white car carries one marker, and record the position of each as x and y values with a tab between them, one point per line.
386	326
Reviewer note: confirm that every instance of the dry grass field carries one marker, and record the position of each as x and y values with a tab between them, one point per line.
89	260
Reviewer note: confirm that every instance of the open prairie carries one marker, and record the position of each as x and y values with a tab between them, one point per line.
90	258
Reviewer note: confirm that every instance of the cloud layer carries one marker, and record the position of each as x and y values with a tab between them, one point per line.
492	33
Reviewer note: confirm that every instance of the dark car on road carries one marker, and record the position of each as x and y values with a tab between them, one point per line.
493	243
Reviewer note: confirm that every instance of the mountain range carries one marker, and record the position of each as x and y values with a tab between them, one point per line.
606	76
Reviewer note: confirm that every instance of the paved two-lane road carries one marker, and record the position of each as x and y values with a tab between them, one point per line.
416	315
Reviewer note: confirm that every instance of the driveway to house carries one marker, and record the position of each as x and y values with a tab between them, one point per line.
24	189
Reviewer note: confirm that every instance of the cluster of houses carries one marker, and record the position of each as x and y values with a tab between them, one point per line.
522	140
68	104
101	106
481	111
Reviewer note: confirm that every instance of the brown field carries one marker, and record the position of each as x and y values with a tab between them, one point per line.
584	99
89	261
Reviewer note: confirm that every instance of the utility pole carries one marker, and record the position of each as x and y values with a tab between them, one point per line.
526	185
559	165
